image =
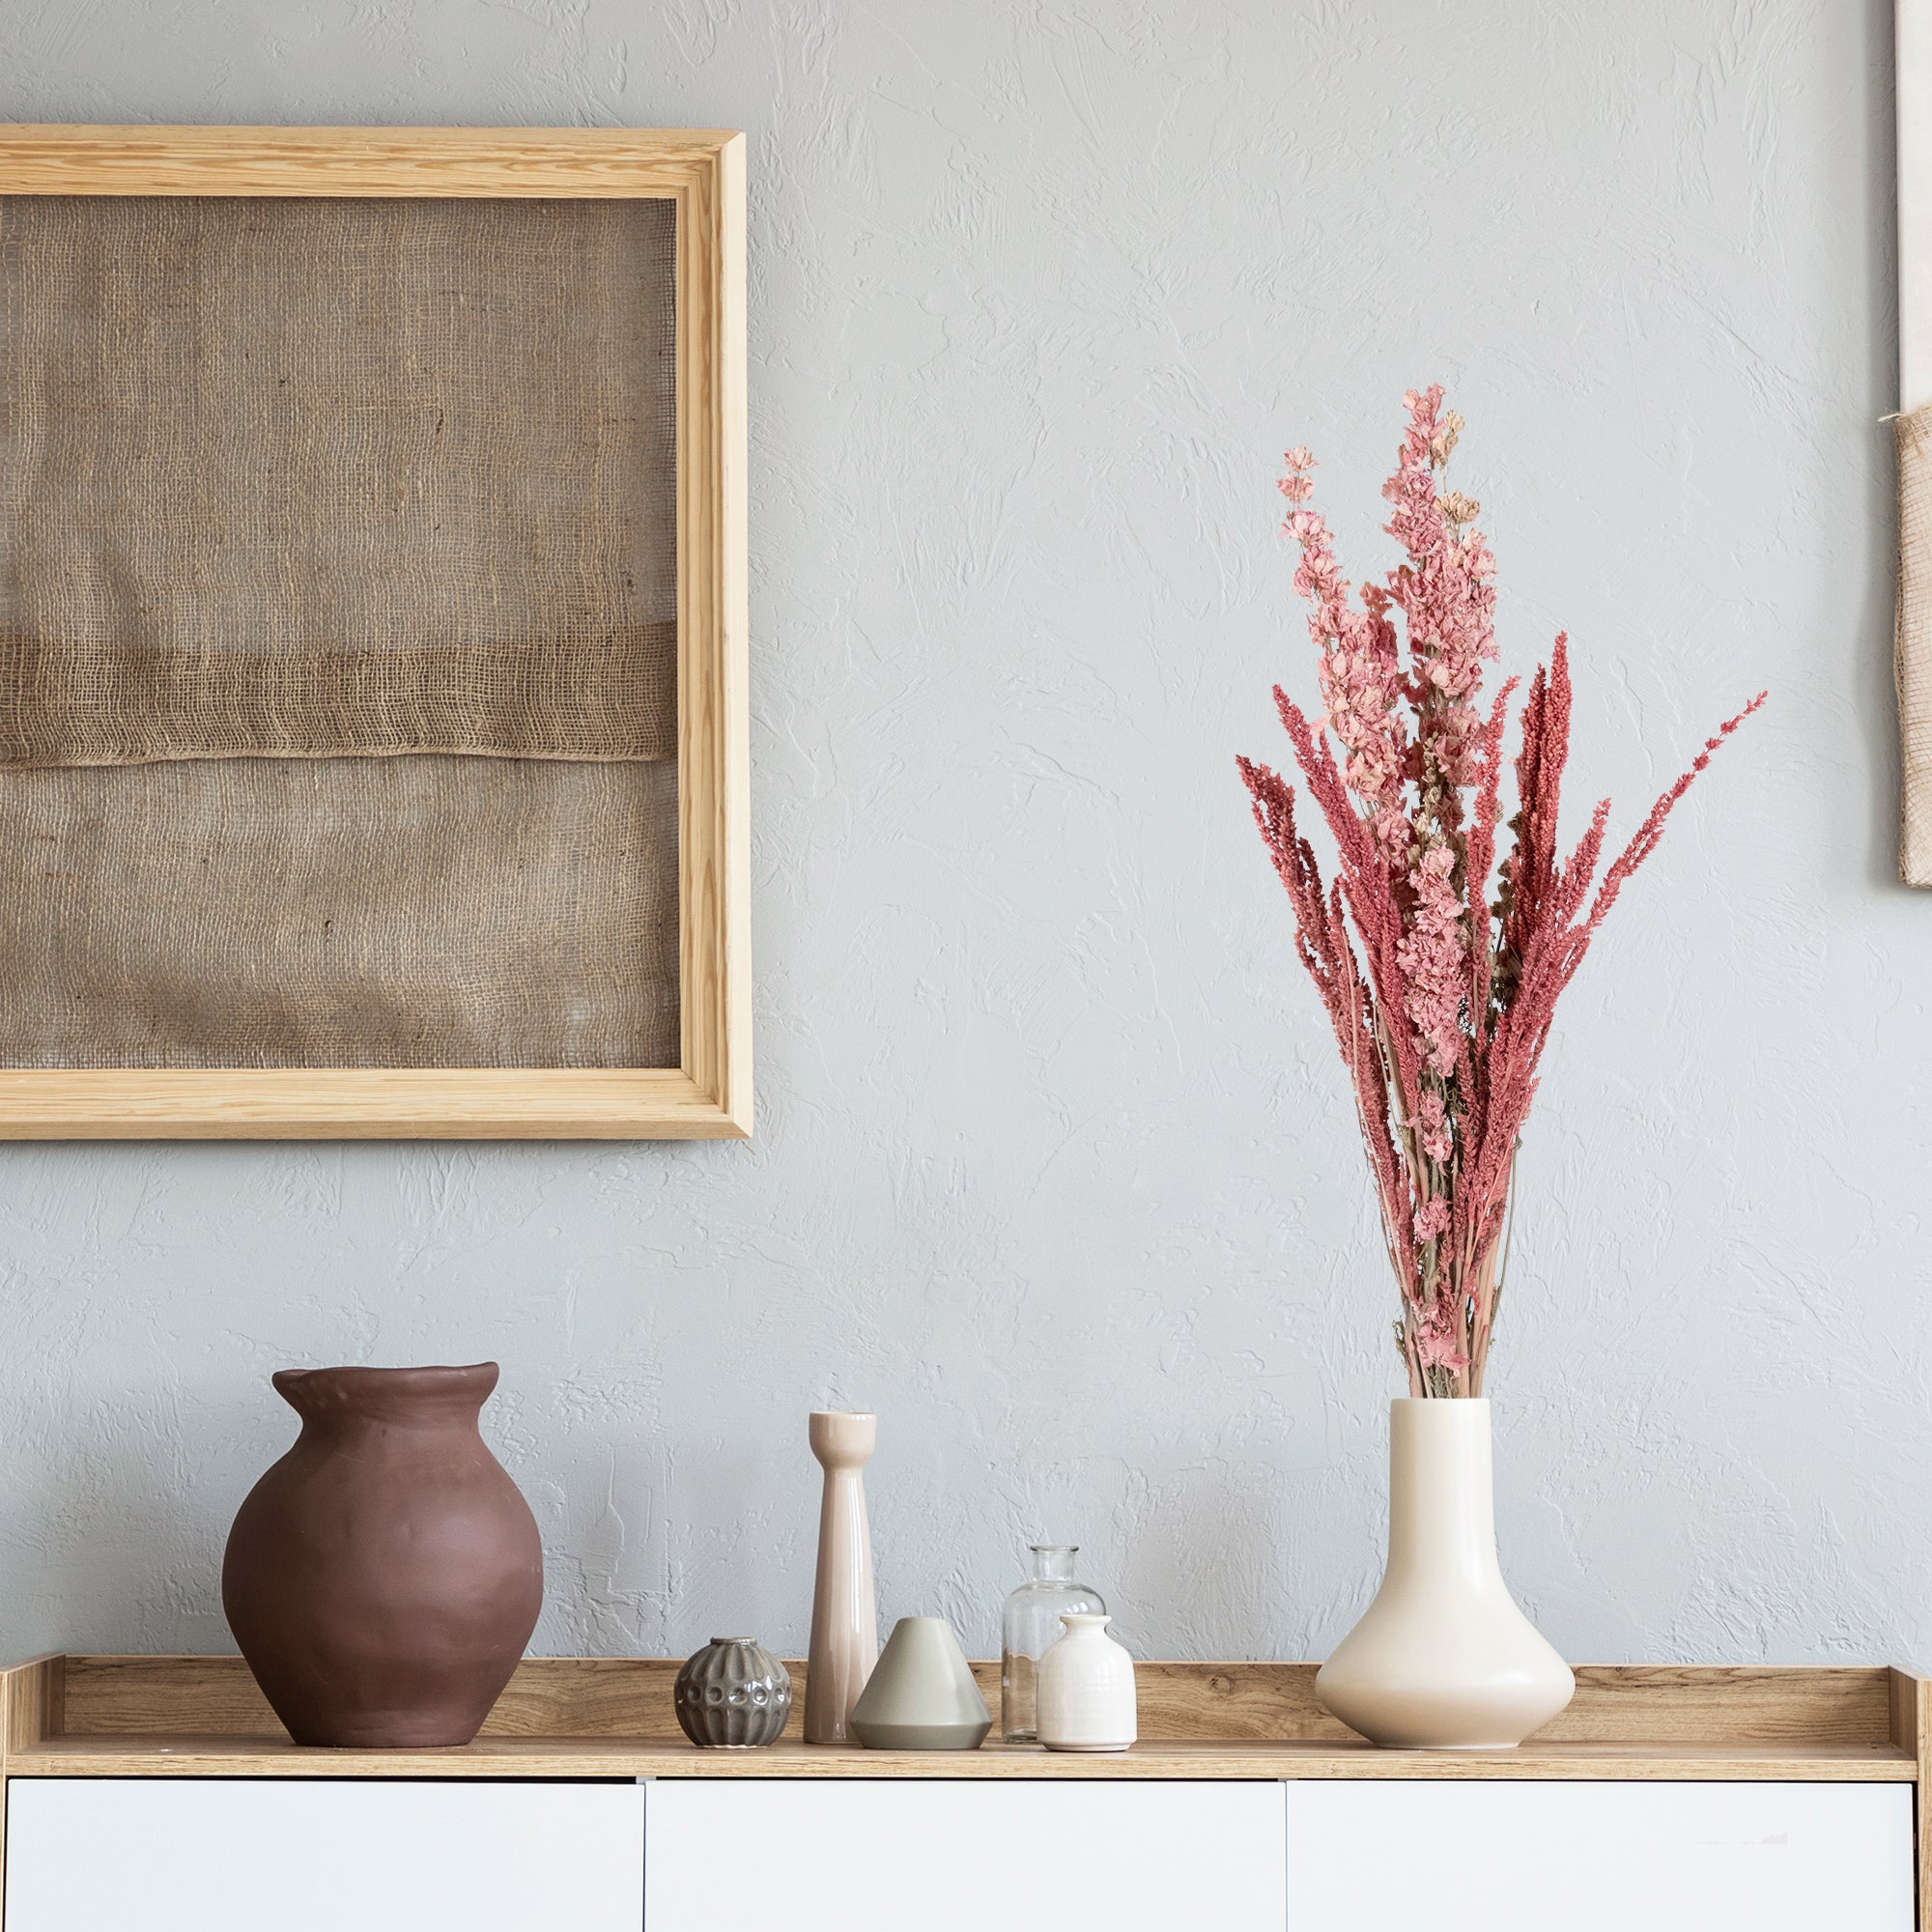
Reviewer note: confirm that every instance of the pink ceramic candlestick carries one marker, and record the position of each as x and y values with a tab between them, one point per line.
844	1612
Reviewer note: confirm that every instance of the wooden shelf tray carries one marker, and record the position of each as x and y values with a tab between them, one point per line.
202	1717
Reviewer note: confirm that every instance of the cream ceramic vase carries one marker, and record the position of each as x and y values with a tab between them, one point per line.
1087	1689
1442	1658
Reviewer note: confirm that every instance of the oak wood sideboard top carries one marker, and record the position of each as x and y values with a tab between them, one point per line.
203	1716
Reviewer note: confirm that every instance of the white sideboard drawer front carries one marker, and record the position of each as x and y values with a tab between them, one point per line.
315	1855
891	1855
1493	1857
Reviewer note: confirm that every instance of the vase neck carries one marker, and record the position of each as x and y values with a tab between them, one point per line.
1441	1496
341	1400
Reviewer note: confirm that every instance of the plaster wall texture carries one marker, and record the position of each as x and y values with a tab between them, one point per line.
1054	1166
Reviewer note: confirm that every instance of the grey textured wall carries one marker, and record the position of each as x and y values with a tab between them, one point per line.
1053	1166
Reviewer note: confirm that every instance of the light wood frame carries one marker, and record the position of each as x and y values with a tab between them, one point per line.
708	1095
1913	94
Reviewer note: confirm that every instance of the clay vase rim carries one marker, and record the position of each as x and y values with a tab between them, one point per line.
349	1389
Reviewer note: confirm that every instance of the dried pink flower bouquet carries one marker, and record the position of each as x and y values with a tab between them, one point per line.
1441	999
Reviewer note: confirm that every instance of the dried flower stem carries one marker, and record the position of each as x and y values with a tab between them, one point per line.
1440	1000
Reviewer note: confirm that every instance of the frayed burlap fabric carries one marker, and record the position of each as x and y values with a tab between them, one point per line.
341	912
1912	644
319	477
338	633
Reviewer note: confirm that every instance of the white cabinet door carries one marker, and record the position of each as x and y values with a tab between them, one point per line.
315	1855
1495	1856
931	1854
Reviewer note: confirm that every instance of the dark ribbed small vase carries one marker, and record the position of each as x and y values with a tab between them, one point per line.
733	1695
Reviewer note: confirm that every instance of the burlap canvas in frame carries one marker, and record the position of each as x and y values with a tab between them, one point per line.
338	633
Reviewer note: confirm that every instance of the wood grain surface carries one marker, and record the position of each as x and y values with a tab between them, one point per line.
1240	1702
62	158
188	1757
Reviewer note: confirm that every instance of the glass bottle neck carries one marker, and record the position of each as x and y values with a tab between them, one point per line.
1053	1563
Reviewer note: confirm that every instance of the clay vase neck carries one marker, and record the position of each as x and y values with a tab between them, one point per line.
344	1403
845	1609
1443	1657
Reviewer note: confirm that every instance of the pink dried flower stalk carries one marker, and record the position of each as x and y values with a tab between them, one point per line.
1440	1001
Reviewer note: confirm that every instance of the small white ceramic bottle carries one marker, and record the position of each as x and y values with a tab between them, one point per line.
1087	1690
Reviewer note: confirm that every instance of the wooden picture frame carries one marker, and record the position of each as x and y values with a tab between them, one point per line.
1912	87
708	1095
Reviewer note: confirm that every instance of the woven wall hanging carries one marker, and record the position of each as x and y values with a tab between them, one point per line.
1912	431
371	632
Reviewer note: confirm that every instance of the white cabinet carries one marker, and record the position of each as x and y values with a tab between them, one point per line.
916	1855
751	1853
313	1854
1490	1855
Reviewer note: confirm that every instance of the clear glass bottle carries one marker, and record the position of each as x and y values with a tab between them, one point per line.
1029	1626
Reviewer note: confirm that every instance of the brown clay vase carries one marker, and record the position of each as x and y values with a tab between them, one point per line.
384	1577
